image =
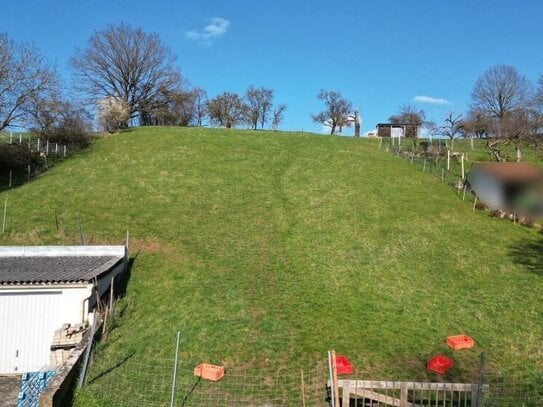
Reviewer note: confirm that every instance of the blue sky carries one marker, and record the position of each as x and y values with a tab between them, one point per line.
379	54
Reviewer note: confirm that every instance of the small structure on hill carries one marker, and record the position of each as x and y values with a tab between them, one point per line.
514	187
48	295
397	130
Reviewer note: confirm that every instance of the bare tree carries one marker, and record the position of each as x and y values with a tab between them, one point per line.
477	124
336	113
266	105
412	116
277	115
59	120
259	102
501	89
184	107
452	128
505	97
126	64
519	128
176	108
200	105
226	109
24	78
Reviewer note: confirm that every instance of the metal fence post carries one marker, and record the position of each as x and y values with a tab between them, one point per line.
332	395
481	378
87	352
175	370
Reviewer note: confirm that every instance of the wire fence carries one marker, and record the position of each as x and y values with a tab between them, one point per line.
451	168
136	381
35	155
132	381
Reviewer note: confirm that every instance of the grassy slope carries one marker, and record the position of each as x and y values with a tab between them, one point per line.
282	246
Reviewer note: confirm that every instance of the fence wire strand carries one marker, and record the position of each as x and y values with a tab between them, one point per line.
132	382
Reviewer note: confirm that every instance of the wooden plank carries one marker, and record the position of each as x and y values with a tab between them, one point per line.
346	394
373	384
381	398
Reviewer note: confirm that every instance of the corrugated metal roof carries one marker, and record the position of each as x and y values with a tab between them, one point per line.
16	270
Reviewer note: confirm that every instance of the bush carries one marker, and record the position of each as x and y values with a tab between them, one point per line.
70	126
15	157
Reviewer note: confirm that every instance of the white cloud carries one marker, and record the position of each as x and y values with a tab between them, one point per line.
431	100
216	28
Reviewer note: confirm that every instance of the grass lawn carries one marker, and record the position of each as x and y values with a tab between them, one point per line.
268	249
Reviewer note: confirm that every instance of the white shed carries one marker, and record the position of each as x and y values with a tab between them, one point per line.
42	288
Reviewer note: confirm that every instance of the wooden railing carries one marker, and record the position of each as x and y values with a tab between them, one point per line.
409	394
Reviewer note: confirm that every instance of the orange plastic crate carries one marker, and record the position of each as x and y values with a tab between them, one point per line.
439	364
460	342
209	372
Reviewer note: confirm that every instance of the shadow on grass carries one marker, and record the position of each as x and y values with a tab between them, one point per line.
528	254
110	369
185	399
122	284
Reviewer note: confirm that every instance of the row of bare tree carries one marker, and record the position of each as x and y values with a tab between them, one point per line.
124	75
255	109
506	111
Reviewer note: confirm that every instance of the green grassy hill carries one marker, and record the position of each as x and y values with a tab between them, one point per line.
277	247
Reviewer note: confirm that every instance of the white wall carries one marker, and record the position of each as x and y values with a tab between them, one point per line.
29	317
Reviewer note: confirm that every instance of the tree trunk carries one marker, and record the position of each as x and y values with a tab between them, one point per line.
519	154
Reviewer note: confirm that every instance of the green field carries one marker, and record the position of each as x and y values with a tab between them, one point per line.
268	249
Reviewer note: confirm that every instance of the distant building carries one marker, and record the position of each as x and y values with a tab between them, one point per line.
397	130
509	186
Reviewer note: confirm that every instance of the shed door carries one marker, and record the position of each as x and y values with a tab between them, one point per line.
28	321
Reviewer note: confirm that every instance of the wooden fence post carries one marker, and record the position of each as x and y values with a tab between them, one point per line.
303	388
403	394
334	379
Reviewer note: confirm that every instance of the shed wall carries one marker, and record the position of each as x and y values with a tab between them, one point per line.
29	319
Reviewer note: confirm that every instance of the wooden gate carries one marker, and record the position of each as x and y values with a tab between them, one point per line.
366	393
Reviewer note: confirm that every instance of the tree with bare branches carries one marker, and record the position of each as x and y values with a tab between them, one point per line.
226	109
200	105
505	97
412	116
538	97
259	102
452	128
500	90
24	78
336	113
277	116
129	65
